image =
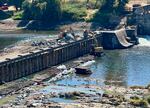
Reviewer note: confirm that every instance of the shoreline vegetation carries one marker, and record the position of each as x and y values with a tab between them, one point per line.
47	15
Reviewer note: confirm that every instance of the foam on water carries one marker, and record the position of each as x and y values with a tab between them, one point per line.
144	41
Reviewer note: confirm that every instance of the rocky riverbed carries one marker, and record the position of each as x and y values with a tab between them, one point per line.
44	92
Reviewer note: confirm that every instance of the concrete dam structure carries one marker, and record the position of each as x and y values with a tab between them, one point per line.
24	65
116	39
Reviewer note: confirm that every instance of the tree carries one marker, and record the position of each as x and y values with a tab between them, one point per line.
114	5
121	5
100	1
108	5
46	10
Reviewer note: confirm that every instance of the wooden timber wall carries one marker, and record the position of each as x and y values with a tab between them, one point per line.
34	62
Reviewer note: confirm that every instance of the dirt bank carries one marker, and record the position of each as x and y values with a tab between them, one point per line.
10	25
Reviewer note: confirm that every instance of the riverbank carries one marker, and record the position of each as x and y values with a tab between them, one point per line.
12	26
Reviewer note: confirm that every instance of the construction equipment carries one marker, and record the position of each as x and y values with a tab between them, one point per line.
96	50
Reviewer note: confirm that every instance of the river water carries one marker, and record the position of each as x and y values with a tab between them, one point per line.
10	39
126	67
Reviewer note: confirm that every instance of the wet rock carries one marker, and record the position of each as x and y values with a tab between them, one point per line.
34	105
115	101
107	95
54	107
61	95
83	70
105	101
69	96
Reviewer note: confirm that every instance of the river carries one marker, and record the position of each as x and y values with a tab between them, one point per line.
10	39
126	67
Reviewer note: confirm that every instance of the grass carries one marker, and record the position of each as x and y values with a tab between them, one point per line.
7	99
73	12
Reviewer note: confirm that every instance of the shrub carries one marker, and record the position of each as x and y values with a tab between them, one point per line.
139	102
148	99
18	15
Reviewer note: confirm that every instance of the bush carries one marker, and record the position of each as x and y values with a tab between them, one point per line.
73	12
148	99
18	15
139	102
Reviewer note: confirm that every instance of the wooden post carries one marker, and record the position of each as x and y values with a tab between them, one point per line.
1	74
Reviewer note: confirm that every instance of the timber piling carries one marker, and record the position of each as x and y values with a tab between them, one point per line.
23	65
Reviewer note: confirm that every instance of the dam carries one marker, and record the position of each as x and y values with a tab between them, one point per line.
35	61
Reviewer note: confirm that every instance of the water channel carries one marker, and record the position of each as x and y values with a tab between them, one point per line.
122	67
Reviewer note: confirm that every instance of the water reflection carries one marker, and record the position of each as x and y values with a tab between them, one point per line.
115	68
126	67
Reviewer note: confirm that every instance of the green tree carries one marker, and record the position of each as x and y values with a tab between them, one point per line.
121	5
114	5
47	10
108	5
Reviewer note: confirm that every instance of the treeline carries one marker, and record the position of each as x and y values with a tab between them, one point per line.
114	6
47	10
56	10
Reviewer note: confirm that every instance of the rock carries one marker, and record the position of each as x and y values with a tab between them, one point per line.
115	101
54	107
35	105
83	70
